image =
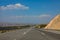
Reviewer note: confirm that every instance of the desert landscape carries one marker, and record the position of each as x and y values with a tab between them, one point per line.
29	19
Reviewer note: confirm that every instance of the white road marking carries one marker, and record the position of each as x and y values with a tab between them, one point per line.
14	39
24	32
28	30
43	33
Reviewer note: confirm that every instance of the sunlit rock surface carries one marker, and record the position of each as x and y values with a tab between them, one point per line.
54	23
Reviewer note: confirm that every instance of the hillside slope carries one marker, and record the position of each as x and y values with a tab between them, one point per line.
54	23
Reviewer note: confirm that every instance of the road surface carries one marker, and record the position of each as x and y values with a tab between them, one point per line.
29	34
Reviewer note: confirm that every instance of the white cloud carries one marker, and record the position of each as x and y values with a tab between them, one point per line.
14	6
26	16
44	16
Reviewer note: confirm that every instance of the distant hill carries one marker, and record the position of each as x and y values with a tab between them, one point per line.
3	24
54	23
10	24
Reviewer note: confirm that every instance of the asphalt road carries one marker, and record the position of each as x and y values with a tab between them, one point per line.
29	34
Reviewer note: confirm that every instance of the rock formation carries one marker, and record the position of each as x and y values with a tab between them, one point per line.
54	23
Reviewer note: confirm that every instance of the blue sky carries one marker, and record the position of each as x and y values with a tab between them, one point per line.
28	11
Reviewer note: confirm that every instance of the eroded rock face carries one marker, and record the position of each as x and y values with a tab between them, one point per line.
54	23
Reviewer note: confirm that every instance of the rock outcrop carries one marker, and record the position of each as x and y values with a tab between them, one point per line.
54	23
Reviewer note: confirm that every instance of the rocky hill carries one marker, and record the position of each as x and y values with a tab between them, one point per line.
54	23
